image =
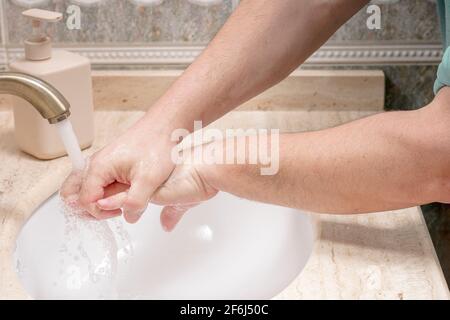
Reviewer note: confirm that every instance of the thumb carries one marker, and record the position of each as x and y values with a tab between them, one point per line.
71	187
183	190
184	186
137	198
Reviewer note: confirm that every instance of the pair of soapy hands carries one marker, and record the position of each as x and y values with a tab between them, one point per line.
135	169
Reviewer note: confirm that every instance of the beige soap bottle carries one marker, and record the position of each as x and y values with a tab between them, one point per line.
70	74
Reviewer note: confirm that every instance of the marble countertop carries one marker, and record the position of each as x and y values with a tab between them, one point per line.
372	256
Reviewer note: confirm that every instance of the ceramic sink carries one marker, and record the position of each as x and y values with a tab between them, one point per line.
226	248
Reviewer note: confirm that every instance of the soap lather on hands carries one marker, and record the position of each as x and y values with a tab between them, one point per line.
123	175
126	174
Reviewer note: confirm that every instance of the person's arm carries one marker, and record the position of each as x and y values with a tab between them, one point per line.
259	45
262	42
383	162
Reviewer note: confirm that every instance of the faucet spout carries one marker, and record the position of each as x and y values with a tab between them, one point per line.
48	101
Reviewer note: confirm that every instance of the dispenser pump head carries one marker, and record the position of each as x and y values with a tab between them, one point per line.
39	45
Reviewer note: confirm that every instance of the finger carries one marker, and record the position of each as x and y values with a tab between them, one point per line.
138	196
114	196
92	189
179	188
101	214
175	193
108	214
182	191
113	202
114	188
71	186
171	215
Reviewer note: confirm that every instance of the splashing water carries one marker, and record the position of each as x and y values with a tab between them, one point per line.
92	253
88	257
91	249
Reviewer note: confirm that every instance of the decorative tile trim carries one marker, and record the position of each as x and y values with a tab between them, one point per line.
327	55
377	55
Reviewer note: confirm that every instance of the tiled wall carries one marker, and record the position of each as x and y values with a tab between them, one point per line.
402	21
182	21
2	44
126	22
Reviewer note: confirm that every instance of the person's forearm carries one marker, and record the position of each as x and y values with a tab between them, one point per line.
259	45
383	162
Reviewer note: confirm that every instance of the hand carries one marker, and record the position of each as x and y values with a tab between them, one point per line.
124	174
185	188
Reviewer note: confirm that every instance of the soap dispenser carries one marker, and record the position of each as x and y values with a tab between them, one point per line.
69	73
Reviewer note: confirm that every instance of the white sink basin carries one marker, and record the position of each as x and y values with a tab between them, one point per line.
226	248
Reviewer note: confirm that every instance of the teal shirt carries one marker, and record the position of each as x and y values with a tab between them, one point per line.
443	73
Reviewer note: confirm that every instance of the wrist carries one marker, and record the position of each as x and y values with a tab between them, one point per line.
215	169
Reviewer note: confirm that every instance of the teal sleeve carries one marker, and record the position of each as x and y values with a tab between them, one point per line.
443	73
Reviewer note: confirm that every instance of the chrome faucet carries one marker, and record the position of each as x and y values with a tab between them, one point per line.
48	101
